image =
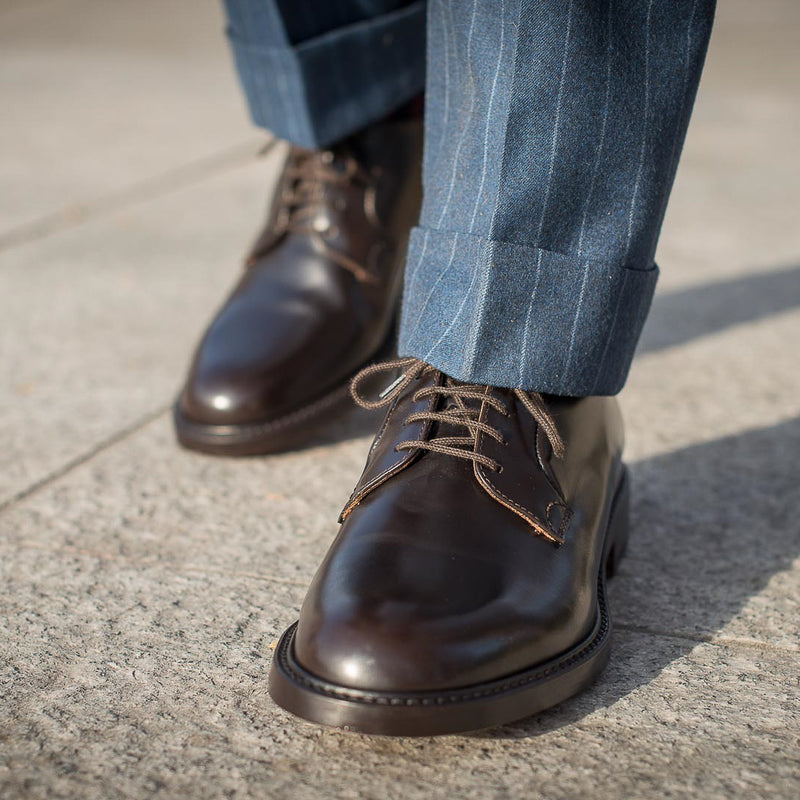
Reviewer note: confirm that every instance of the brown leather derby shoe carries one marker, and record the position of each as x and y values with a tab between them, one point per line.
316	302
466	587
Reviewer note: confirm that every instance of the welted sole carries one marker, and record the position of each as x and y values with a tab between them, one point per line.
471	708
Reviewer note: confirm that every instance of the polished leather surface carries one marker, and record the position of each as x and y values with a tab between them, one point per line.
446	573
316	300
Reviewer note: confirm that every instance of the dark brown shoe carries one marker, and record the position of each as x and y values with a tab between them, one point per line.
316	302
466	587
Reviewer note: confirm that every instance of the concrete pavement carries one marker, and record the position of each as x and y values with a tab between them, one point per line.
143	587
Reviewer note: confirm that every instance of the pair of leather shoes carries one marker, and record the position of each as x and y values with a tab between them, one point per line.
466	587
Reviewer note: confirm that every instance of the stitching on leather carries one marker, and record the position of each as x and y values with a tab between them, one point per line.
358	496
528	516
547	470
384	425
361	493
493	491
565	520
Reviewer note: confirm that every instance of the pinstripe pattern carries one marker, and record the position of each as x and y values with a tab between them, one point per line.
545	185
526	342
602	140
411	276
645	131
446	102
438	280
489	117
523	364
576	318
479	194
556	123
592	184
545	182
610	336
478	322
455	318
466	129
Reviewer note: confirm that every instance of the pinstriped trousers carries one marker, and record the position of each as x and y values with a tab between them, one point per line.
552	135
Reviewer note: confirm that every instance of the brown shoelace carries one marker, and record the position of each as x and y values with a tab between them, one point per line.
310	174
458	414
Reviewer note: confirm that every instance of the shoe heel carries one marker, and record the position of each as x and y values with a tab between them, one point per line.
618	527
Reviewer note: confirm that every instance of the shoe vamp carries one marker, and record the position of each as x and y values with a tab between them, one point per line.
432	584
286	335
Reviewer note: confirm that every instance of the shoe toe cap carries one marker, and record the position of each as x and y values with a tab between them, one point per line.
406	617
394	637
225	396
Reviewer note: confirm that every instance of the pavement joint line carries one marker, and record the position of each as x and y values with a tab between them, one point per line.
81	459
77	213
157	563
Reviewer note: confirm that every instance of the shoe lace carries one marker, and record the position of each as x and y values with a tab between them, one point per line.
310	174
456	413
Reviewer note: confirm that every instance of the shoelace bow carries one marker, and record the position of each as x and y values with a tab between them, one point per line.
459	415
310	174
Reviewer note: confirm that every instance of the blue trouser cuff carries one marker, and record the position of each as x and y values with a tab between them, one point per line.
328	87
515	315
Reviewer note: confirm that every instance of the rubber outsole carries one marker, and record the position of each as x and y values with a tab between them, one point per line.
472	708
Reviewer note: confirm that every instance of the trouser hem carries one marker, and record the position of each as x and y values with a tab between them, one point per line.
514	315
326	88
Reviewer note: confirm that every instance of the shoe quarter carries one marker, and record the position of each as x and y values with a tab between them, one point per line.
384	461
525	485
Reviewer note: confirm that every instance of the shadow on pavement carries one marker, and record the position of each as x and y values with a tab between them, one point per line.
680	316
712	524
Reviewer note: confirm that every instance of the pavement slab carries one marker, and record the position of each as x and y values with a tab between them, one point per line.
100	96
146	681
99	320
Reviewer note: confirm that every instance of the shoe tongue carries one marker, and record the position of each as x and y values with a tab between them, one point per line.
449	404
